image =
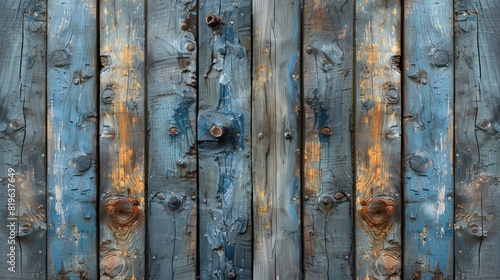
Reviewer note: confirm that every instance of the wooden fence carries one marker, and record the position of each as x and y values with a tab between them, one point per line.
264	139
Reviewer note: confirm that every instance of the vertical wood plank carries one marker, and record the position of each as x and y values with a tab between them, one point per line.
224	123
328	173
428	141
378	140
172	79
276	139
71	128
477	168
122	138
22	139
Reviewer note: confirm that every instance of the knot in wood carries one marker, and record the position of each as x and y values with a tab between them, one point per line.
83	163
212	20
417	163
339	196
124	211
388	263
107	95
59	58
392	95
113	265
326	200
441	58
377	212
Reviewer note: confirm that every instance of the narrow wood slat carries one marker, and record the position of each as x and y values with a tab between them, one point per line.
71	128
276	139
428	141
378	139
22	139
328	173
224	123
171	159
477	168
122	140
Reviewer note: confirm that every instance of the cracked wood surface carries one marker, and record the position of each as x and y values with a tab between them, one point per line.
428	139
22	138
276	139
328	173
378	139
122	140
172	79
224	123
72	129
477	168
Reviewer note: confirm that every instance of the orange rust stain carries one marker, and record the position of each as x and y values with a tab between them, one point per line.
342	35
312	174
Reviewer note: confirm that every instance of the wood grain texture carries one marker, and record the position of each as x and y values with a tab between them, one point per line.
378	140
428	139
224	123
328	172
172	79
477	168
122	140
71	129
22	139
276	139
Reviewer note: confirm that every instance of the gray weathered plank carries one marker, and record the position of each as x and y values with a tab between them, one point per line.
276	139
71	130
378	139
172	214
224	123
477	113
328	173
22	139
428	139
122	140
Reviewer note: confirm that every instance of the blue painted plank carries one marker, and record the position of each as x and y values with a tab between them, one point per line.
72	130
22	139
276	139
172	170
224	123
428	137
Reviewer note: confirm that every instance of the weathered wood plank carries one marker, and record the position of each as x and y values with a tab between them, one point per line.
224	123
378	139
71	130
122	139
172	166
276	139
428	139
328	173
22	139
477	168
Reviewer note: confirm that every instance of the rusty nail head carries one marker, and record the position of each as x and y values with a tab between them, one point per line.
231	275
216	131
325	130
173	130
288	135
339	196
193	197
190	47
184	26
212	20
309	50
261	135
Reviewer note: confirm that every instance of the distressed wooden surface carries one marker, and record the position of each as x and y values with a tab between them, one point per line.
71	130
276	139
428	139
378	139
224	123
172	79
22	139
328	173
477	168
122	140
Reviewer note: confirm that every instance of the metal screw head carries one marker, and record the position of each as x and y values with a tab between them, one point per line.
309	50
288	135
325	130
212	20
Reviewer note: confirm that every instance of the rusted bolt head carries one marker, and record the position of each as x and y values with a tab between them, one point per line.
190	47
59	58
216	131
212	20
107	95
288	135
309	50
184	26
326	200
174	203
173	130
441	58
325	130
339	196
392	95
231	275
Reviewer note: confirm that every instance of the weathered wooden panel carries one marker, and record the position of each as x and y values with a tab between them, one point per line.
22	139
378	139
172	167
328	173
428	139
224	123
122	139
477	168
276	139
71	130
